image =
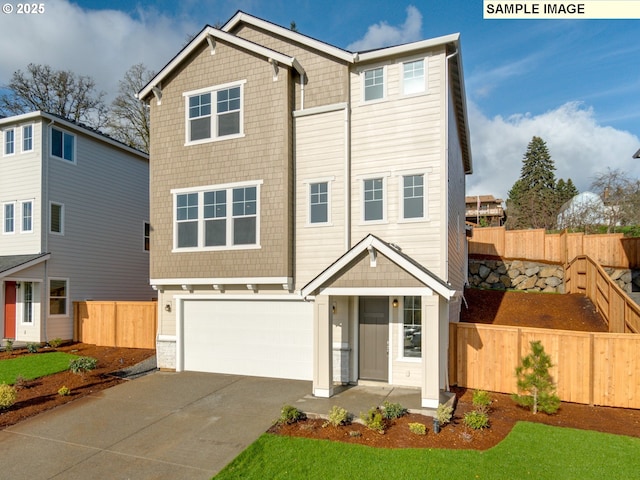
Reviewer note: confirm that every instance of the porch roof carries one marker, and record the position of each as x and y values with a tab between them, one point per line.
374	244
10	264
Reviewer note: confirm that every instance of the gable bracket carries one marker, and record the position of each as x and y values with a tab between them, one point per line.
157	91
373	256
218	287
276	68
212	44
252	286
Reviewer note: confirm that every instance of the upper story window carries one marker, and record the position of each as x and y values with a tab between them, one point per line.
319	203
27	217
373	195
56	218
62	145
27	138
218	217
9	218
373	84
413	77
214	113
146	236
9	142
413	198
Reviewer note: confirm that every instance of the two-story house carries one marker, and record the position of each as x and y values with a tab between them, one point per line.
74	224
307	207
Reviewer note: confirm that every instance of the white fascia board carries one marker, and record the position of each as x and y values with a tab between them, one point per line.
246	297
408	48
220	281
289	34
377	291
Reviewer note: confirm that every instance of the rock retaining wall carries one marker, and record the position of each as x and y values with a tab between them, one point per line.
517	275
627	279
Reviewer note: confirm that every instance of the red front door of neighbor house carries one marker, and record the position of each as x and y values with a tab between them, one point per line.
9	309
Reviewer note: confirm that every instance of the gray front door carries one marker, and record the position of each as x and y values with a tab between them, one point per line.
374	338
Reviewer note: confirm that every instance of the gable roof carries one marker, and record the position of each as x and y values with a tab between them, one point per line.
637	154
403	260
10	264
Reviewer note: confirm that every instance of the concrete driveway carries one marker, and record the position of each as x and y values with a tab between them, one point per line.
161	426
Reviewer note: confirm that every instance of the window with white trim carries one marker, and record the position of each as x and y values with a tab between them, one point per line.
374	84
9	210
56	218
146	236
413	198
218	217
27	217
27	138
412	325
214	113
58	293
62	145
319	203
9	141
373	199
413	77
27	302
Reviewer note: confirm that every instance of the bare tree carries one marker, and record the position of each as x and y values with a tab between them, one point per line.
621	196
129	120
60	92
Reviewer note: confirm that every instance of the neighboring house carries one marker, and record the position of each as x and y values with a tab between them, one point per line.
74	224
484	210
637	154
307	207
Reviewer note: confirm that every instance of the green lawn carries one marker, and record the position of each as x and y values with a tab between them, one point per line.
531	450
34	366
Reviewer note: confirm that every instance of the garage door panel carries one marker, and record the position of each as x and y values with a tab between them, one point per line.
260	338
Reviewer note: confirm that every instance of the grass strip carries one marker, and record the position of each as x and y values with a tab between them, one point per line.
34	366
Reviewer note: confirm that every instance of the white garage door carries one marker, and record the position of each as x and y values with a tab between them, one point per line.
255	337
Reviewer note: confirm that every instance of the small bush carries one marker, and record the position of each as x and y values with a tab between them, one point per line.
374	420
8	395
354	433
32	347
444	414
64	391
290	414
81	365
418	428
20	382
481	401
55	343
8	345
392	411
476	420
338	416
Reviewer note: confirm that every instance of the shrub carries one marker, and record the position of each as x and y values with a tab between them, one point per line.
338	416
444	414
64	391
55	343
8	395
32	347
8	345
374	420
418	428
535	381
20	382
290	414
481	401
392	411
81	365
476	420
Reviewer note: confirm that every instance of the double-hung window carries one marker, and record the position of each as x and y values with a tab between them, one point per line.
27	138
62	145
374	84
218	217
412	313
413	77
58	294
214	113
9	218
413	198
373	193
27	216
9	141
56	218
319	203
27	302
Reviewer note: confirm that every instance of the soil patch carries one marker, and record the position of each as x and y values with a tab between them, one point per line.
40	394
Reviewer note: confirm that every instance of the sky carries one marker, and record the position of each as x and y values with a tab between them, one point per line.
574	83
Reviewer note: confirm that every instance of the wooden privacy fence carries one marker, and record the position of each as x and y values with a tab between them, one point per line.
585	276
116	324
590	368
613	250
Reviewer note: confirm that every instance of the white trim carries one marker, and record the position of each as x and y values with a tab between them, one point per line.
336	107
425	197
22	203
222	186
385	76
61	205
23	138
166	338
67	297
64	132
385	187
322	392
408	48
430	403
221	281
376	291
13	218
425	78
308	183
240	296
13	141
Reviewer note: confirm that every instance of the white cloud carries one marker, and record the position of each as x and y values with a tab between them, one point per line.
579	146
100	43
384	35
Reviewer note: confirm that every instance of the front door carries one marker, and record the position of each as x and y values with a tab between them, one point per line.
374	338
9	309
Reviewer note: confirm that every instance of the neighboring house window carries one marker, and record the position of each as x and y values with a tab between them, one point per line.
413	196
319	202
412	311
413	77
218	217
56	218
373	190
9	218
27	138
27	299
9	142
27	217
58	297
215	113
147	236
62	145
374	84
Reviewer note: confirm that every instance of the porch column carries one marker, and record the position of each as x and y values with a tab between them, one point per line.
322	348
431	358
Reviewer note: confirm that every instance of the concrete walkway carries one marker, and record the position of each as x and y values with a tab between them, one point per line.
166	426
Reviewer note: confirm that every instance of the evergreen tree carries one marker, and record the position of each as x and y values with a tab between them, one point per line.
535	382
